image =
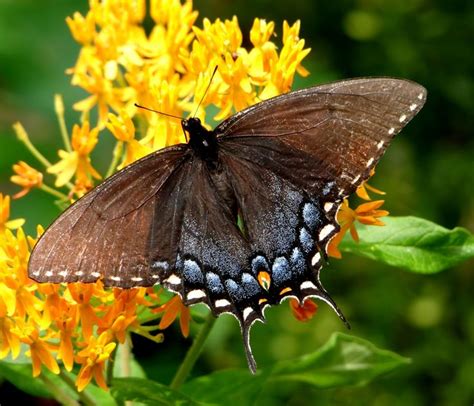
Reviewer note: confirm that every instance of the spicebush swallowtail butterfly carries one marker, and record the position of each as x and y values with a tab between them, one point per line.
282	166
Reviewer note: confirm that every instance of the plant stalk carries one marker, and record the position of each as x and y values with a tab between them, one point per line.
193	353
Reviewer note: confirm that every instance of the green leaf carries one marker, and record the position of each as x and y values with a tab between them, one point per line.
414	244
344	360
148	392
234	387
100	396
47	385
20	376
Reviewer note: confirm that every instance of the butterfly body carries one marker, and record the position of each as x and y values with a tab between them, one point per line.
202	141
239	218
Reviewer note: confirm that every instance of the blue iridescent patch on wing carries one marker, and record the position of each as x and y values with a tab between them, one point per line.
311	216
306	241
281	270
214	283
236	292
250	285
297	261
192	272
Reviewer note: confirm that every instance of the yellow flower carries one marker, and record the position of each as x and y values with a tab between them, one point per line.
94	80
7	300
5	214
288	63
264	54
82	28
362	189
122	128
93	359
40	349
81	295
77	162
9	342
27	177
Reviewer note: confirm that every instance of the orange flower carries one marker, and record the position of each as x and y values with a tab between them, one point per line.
9	342
303	311
66	327
5	214
40	349
27	177
171	310
362	189
122	313
366	213
93	359
77	162
81	294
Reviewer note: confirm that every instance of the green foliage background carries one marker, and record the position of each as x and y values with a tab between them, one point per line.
427	172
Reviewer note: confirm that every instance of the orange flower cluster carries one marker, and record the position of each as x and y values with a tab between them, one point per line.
121	63
76	324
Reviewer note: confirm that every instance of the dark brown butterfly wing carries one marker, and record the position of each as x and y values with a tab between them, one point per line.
324	137
293	159
105	234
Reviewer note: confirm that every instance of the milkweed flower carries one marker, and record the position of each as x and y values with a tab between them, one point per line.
173	309
77	162
366	213
26	177
92	360
5	223
303	311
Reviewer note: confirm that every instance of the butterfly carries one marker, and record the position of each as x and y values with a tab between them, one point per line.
240	217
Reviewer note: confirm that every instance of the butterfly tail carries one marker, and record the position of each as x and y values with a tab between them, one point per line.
322	294
248	349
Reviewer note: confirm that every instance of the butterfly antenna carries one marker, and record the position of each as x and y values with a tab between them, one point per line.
207	88
158	112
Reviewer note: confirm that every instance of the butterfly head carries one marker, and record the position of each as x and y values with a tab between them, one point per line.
192	125
202	141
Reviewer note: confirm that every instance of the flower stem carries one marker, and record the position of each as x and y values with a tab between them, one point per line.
23	137
84	397
59	394
110	367
193	353
59	107
54	192
116	156
126	358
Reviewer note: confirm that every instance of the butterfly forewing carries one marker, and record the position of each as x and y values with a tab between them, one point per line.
324	134
106	233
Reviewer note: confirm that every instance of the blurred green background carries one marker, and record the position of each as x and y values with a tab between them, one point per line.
427	172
